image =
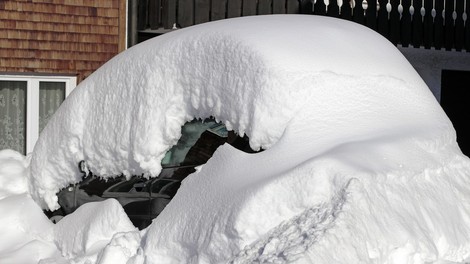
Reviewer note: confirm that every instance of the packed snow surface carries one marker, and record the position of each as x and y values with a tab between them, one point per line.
361	164
12	173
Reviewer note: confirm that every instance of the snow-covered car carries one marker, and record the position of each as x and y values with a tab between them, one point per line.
143	199
360	163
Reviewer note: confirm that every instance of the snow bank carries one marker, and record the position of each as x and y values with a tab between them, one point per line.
98	232
90	228
12	173
361	164
123	248
319	197
25	232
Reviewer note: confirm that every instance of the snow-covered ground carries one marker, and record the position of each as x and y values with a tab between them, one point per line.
361	164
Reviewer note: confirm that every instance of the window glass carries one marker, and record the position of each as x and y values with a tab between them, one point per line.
198	141
13	115
51	95
28	102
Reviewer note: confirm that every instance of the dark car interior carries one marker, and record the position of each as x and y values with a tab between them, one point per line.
144	199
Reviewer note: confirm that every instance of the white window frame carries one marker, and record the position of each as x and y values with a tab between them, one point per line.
32	100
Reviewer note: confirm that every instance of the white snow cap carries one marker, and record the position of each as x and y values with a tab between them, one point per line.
361	164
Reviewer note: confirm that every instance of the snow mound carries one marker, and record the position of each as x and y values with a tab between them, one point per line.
24	228
12	173
32	252
361	164
123	248
90	228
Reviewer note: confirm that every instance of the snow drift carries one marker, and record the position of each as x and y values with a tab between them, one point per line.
361	164
13	173
26	233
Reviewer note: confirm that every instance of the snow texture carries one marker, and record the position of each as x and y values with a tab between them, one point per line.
25	232
90	225
361	164
12	173
128	113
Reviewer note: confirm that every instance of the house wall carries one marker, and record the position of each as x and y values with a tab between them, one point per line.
60	36
429	64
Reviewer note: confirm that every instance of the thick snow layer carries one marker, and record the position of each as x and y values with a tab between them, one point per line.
91	227
12	173
396	196
361	164
95	233
125	116
25	232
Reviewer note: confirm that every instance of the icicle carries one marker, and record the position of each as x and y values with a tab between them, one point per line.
378	6
454	14
364	6
422	11
327	3
313	5
433	11
389	8
340	4
400	9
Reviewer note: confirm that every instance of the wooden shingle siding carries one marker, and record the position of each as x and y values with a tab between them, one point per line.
58	27
50	63
60	36
57	18
38	36
53	55
39	46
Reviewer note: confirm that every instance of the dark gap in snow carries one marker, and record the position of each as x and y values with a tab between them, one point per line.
143	199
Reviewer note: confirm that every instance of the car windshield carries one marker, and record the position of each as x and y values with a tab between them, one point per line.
199	140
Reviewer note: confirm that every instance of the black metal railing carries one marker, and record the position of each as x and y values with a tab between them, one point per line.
441	24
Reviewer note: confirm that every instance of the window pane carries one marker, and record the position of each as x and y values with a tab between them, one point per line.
198	141
51	95
13	115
